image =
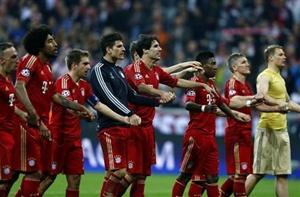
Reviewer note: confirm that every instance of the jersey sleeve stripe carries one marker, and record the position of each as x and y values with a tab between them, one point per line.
30	62
108	93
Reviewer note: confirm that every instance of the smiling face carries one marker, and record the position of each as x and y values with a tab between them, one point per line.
50	48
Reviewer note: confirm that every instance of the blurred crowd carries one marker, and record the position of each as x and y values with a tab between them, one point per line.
184	27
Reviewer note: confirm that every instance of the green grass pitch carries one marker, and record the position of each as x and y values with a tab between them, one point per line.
156	186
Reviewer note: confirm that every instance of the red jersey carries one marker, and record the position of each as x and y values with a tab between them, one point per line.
7	106
61	119
137	74
39	84
203	121
234	87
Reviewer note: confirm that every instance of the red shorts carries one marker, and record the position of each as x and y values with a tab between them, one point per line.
200	154
27	149
239	151
113	141
6	148
141	150
68	157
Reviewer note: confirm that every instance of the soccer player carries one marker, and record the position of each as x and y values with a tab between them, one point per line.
238	138
65	124
269	157
110	86
144	76
8	64
200	155
35	90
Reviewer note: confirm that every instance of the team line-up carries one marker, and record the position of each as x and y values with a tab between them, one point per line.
40	118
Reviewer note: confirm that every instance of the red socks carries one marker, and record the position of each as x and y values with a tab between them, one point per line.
227	187
29	188
195	190
212	190
239	186
178	188
103	186
137	188
72	193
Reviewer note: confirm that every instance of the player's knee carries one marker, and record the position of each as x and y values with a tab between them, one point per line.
184	177
212	179
73	181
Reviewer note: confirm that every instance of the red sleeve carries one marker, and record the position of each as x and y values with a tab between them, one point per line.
134	76
89	91
231	88
166	78
26	68
62	87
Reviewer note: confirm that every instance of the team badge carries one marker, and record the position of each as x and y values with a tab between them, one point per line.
232	92
138	76
130	164
65	93
25	72
6	170
118	159
244	166
53	165
191	93
31	162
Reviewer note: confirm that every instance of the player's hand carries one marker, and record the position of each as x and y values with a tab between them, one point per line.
86	113
283	107
45	132
210	108
33	119
209	89
135	120
126	120
256	100
242	117
167	97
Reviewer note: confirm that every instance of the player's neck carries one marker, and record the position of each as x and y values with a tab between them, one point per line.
273	67
43	58
239	77
148	62
110	59
74	77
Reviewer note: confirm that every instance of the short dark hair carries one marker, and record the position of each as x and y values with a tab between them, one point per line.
133	49
109	41
145	42
74	56
203	56
270	51
4	46
35	39
232	59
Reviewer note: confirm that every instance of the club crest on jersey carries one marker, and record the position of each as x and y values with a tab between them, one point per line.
138	76
130	164
232	92
25	72
53	165
6	170
65	93
111	76
118	158
244	166
31	162
11	99
191	93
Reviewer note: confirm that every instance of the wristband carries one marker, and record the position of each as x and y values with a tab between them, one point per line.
248	103
203	108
